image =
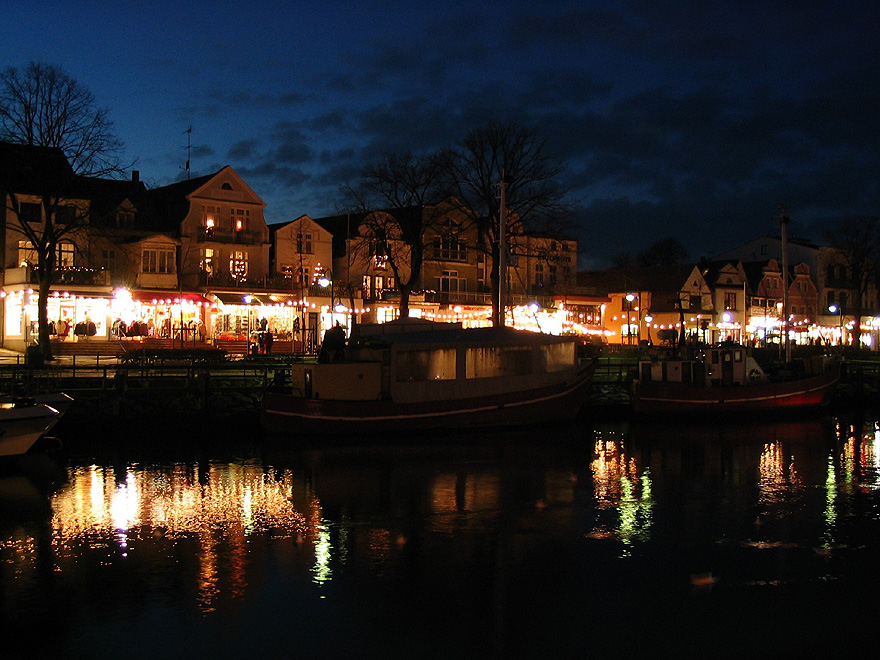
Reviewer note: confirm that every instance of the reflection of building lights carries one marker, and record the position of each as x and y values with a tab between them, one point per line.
322	570
618	487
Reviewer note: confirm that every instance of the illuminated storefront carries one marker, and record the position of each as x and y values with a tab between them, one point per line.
79	315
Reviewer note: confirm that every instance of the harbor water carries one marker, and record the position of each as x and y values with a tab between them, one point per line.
594	539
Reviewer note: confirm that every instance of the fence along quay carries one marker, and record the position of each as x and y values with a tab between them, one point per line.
103	386
103	383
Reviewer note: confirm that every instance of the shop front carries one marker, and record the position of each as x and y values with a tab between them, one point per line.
73	315
159	314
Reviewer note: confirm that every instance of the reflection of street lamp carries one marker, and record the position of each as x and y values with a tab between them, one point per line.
837	309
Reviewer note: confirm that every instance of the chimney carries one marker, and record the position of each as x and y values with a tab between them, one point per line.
135	176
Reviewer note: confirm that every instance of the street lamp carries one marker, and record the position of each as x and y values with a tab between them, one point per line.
630	297
837	309
648	320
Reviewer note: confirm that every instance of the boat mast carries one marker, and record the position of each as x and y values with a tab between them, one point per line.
783	221
502	253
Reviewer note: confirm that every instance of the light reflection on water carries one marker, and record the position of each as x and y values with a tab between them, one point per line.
449	536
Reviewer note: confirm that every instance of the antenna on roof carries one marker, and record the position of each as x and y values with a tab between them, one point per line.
188	149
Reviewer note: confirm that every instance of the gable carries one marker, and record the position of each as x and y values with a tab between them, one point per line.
303	224
226	185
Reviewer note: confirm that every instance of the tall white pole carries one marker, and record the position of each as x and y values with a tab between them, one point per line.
502	254
783	220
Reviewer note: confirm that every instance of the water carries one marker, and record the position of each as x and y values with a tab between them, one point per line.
588	540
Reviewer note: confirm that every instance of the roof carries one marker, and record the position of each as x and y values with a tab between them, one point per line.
171	204
34	170
422	332
653	278
346	225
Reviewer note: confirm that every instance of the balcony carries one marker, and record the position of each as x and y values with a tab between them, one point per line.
68	276
243	237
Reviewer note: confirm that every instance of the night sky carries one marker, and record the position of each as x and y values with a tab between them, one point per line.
687	119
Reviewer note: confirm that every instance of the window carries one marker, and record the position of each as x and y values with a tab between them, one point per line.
27	256
449	246
157	261
450	282
29	212
64	215
124	218
206	262
730	300
238	265
65	254
539	274
482	271
298	275
304	243
240	219
108	260
379	254
210	218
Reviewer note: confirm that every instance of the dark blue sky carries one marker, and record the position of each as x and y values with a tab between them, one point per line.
686	119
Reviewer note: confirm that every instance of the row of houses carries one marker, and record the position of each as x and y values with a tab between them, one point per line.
743	294
196	260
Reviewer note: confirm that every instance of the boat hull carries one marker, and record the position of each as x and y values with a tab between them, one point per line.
804	393
285	413
21	427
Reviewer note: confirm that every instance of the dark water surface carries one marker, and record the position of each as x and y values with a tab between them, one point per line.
602	539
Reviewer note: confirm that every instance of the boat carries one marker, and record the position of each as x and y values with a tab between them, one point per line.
60	401
725	378
21	425
418	375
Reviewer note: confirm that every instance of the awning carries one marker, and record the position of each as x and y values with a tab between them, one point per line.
61	294
256	299
234	297
168	297
284	299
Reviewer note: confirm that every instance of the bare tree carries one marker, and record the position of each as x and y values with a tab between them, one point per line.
534	196
664	252
856	242
400	198
44	108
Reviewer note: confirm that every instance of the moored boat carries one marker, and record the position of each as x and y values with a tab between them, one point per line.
418	376
22	425
60	401
726	379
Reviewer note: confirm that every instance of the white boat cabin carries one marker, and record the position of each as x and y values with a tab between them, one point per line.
410	362
725	365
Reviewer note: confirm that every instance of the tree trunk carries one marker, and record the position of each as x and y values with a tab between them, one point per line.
403	305
45	283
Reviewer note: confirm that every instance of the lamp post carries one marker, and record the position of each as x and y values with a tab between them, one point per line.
837	309
629	301
327	280
648	320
